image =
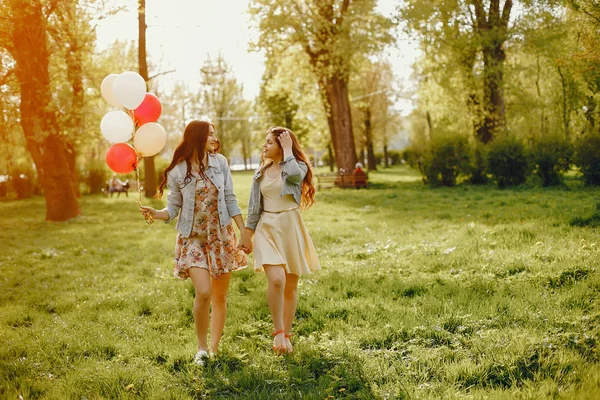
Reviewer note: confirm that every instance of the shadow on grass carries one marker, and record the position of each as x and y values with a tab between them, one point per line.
592	221
314	373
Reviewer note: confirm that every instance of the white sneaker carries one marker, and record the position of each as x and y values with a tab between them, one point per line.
201	357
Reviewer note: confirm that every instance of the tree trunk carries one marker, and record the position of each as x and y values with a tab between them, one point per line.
565	103
493	93
245	148
288	119
371	162
38	116
340	121
149	168
386	162
75	122
330	160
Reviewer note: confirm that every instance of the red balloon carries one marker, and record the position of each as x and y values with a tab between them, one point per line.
148	111
121	158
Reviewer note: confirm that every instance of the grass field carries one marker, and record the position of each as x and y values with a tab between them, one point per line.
466	292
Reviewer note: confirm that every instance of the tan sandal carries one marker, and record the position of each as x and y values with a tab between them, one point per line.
281	348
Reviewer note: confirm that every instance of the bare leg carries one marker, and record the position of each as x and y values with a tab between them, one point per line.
201	280
290	301
219	310
276	283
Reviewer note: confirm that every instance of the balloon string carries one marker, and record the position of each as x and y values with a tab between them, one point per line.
147	217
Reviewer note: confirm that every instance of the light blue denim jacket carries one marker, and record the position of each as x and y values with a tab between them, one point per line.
292	173
182	196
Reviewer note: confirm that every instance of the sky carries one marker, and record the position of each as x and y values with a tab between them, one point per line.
181	34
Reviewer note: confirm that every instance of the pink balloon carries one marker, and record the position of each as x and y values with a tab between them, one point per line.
148	111
121	158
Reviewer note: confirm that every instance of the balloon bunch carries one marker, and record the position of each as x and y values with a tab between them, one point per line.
137	121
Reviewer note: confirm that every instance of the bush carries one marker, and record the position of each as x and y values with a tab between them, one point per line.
446	158
411	156
479	167
22	180
551	158
587	158
508	161
96	177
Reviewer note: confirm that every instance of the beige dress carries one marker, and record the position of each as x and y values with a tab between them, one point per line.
281	237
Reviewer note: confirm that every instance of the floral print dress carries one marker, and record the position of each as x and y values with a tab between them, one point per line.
209	246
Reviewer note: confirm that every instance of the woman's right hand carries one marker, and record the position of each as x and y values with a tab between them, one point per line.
145	210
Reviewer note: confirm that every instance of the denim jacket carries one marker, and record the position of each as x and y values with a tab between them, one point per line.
182	196
292	173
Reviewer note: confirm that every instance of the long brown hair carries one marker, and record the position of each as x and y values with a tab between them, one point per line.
193	142
308	189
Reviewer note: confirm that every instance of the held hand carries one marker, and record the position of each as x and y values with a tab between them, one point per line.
245	244
286	141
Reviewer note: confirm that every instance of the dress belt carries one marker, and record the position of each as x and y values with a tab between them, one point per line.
282	211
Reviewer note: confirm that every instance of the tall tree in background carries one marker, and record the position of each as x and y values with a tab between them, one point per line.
330	33
290	96
73	39
222	99
470	29
373	94
24	33
149	169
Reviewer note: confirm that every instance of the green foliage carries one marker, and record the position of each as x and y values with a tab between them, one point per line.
551	157
479	168
587	157
22	180
508	161
446	159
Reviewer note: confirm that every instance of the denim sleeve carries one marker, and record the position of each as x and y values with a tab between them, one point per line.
293	171
174	199
233	207
254	207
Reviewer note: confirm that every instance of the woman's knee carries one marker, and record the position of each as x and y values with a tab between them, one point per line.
277	282
202	296
290	292
219	299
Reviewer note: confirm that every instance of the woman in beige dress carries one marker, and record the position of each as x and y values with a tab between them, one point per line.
282	246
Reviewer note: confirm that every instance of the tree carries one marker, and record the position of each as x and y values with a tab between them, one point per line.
24	34
373	95
221	97
330	34
474	33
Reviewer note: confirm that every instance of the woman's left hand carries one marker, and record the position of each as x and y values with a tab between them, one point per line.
245	244
286	141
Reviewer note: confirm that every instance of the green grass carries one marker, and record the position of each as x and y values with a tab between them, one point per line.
466	292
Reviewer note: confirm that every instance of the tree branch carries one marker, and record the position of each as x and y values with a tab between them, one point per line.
506	13
482	23
343	11
160	73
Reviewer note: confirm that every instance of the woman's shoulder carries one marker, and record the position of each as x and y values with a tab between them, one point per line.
178	169
217	158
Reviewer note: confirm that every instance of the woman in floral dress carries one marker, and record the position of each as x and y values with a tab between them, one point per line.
206	249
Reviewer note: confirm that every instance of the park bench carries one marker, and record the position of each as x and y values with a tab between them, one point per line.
342	180
118	190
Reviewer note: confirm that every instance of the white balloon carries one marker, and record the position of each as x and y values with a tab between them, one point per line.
116	126
150	139
106	90
129	89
